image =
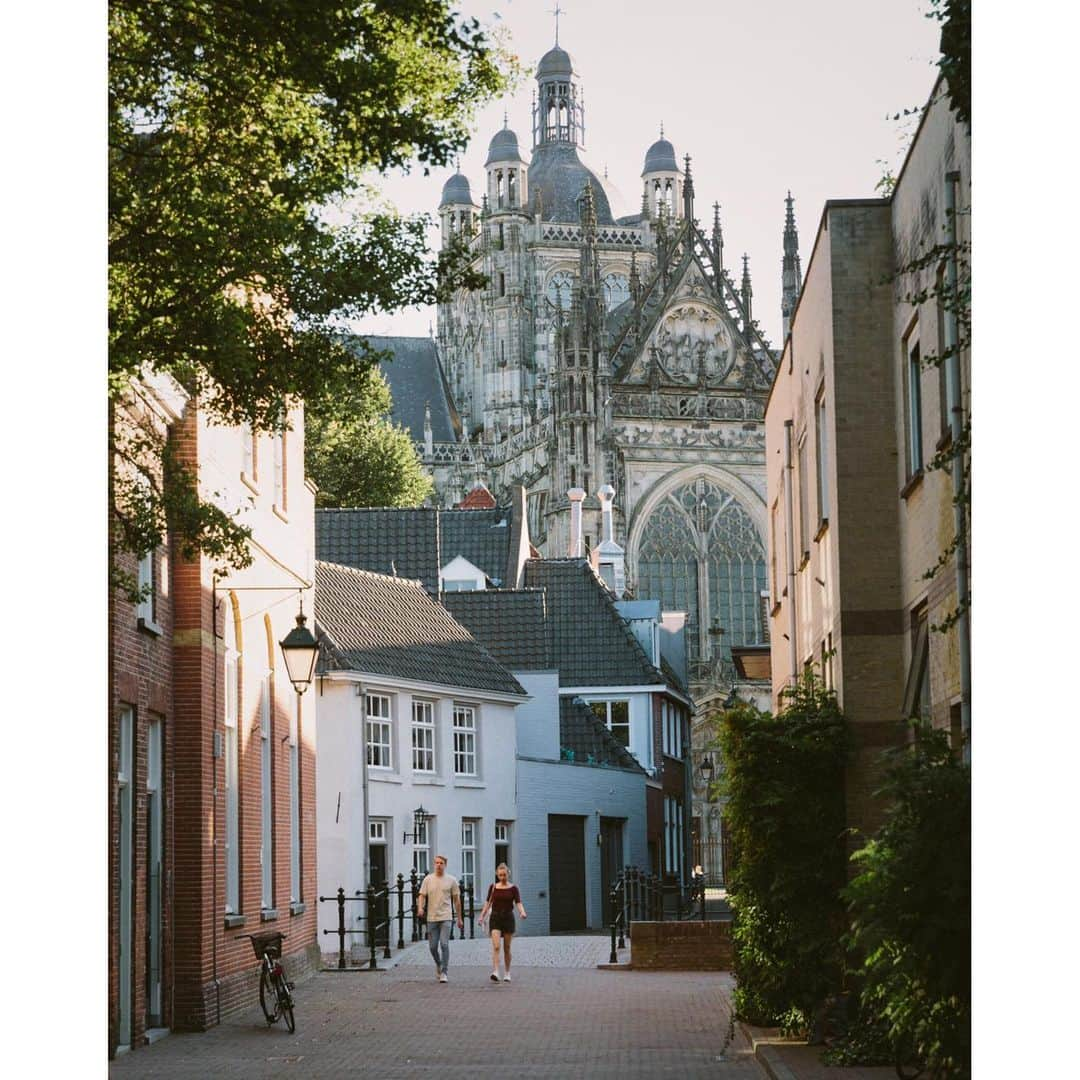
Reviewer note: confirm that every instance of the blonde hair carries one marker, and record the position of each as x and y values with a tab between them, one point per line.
502	866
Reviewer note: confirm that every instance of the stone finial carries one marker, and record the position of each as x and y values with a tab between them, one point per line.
576	496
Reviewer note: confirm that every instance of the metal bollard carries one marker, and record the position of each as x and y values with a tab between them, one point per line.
612	901
341	928
400	911
371	927
472	912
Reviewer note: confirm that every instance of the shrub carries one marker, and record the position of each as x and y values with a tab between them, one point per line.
784	781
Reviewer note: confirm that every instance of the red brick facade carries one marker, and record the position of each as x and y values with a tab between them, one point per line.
178	675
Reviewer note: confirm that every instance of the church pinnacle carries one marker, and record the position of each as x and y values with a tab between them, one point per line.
791	276
747	292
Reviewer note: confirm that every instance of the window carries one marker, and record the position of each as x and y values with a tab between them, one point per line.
913	381
280	473
266	852
942	363
616	717
423	737
464	740
774	545
502	284
250	440
585	443
673	836
821	436
804	501
469	829
672	729
295	888
232	772
502	842
460	585
379	754
145	610
421	854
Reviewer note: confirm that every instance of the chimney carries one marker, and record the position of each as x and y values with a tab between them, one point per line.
610	557
429	442
576	496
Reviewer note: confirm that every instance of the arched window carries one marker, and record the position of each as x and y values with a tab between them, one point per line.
511	187
701	534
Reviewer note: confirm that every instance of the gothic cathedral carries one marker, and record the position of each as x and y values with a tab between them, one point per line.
613	351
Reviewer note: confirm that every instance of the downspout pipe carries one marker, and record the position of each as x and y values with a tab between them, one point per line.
789	529
956	428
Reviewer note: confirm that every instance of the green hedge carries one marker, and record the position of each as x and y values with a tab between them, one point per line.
784	782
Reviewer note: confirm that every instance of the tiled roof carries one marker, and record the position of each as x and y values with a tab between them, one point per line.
584	738
389	626
414	542
415	381
592	644
510	623
402	543
478	499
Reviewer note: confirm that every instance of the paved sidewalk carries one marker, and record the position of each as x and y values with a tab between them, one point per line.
551	1021
570	951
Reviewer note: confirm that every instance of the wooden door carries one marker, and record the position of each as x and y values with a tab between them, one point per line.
611	862
566	872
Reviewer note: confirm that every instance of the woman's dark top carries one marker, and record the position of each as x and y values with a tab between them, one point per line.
503	900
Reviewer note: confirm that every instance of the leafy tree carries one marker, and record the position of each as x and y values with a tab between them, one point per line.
910	908
955	60
784	781
244	227
356	456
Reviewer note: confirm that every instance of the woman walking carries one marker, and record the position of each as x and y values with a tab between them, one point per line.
501	899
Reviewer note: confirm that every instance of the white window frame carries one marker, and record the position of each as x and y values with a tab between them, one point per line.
250	439
281	473
295	884
465	741
470	833
913	385
802	455
821	434
421	853
377	831
266	791
232	778
381	725
460	585
423	736
145	607
607	717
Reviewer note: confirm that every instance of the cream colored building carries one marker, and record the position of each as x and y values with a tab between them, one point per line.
855	515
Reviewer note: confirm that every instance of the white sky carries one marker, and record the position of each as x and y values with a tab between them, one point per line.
764	95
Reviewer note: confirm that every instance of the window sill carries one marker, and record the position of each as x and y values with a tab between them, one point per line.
268	915
297	908
280	513
911	485
250	482
233	922
383	777
430	781
148	626
821	529
468	781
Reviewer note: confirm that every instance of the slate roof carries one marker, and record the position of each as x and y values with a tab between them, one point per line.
414	542
592	644
390	626
588	739
456	192
416	380
559	175
510	623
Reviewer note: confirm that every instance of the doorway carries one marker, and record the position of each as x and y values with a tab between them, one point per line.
154	818
611	862
379	869
125	841
566	872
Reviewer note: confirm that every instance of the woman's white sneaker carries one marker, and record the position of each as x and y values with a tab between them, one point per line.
494	976
506	977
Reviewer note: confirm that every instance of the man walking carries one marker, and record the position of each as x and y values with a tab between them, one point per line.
441	895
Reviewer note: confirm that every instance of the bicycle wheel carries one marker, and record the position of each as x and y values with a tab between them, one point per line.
285	1002
268	997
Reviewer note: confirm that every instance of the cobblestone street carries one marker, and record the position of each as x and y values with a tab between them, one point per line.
560	1017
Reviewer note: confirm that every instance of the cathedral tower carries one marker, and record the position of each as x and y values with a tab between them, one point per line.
792	270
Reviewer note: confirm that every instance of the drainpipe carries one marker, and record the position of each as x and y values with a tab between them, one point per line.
214	816
956	426
789	528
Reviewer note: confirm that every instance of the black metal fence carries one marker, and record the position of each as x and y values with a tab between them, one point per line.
638	896
384	907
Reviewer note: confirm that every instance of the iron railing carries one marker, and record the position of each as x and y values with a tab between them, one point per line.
384	904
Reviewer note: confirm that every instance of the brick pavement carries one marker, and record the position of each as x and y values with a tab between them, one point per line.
569	951
560	1018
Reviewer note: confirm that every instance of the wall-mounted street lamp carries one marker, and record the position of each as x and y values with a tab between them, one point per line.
420	819
300	650
707	770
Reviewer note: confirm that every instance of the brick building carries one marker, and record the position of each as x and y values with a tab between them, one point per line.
212	754
852	419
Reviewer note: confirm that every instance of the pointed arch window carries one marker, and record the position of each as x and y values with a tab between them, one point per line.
701	553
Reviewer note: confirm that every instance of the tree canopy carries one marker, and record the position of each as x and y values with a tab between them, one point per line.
356	456
245	230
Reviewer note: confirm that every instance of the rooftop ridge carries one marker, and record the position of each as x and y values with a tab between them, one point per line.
373	574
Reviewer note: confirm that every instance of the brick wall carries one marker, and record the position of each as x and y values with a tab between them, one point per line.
681	946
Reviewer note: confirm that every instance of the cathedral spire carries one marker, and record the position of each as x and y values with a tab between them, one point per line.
717	239
747	292
688	191
588	208
635	277
791	276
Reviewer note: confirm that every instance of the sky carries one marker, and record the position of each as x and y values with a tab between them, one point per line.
765	96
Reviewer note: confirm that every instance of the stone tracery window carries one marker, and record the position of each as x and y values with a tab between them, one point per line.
701	549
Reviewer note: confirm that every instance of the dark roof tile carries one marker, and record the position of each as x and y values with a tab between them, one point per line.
585	738
510	623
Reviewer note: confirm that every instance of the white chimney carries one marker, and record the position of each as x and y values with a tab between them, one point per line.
576	496
429	442
610	557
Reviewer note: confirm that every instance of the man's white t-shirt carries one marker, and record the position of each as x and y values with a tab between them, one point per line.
437	891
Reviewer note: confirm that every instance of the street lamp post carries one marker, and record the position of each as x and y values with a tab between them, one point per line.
300	650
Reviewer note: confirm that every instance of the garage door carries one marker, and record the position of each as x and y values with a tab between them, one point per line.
566	872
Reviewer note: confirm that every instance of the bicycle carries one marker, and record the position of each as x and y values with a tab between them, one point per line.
275	991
